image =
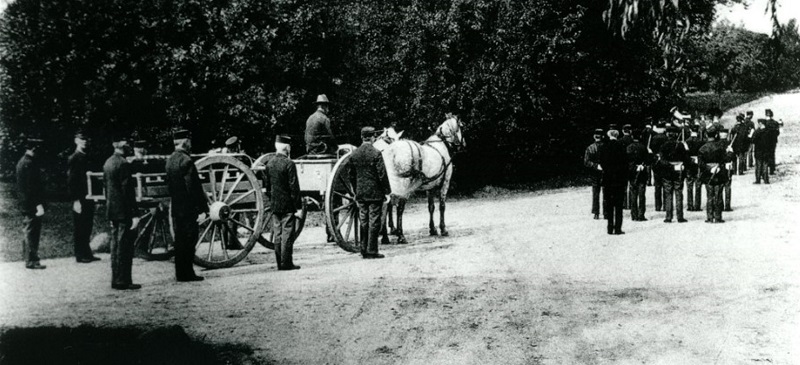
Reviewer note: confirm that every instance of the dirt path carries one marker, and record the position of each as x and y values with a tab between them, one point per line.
526	279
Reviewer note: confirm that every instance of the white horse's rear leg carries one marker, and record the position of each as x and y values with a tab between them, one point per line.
401	207
431	209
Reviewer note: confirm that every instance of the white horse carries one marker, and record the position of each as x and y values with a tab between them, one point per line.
426	166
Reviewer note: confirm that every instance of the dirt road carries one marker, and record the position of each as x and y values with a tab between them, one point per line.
524	279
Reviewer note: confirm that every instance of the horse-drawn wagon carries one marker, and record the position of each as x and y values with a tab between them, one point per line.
239	207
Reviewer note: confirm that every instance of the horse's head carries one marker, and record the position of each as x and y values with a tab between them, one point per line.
450	132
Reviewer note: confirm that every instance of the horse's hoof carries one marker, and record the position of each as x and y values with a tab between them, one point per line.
395	232
445	233
434	232
401	240
385	241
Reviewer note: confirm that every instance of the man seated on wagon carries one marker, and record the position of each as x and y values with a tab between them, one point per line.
319	136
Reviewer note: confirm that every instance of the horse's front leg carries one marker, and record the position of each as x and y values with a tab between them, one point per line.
442	204
393	203
401	207
431	208
387	207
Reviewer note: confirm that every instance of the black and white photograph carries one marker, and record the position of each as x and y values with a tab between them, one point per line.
213	182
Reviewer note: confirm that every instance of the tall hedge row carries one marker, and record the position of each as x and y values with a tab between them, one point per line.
529	78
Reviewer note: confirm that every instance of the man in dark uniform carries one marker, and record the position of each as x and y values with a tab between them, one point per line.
283	190
82	209
638	160
189	204
626	139
774	129
121	212
614	164
730	169
741	142
371	187
591	159
319	135
656	141
712	158
30	195
761	152
694	188
674	157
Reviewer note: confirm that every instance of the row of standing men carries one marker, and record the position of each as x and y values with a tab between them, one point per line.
622	164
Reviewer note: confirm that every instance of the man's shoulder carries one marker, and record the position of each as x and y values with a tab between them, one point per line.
278	161
317	116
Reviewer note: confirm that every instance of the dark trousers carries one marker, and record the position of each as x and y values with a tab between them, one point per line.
596	197
186	233
673	192
751	161
694	192
283	238
658	191
369	221
761	170
613	210
121	252
741	162
771	161
638	200
82	230
626	197
33	230
726	192
714	202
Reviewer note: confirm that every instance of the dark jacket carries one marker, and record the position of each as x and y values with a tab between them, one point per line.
281	185
30	190
637	155
183	184
369	173
319	136
614	161
120	185
626	140
742	142
591	158
672	152
77	165
714	152
762	144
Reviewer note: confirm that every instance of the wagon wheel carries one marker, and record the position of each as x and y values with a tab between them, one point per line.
266	235
154	233
341	210
236	212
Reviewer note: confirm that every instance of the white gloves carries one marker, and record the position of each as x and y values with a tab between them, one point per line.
298	213
39	210
729	165
640	168
715	170
135	222
76	207
729	149
650	151
600	167
201	217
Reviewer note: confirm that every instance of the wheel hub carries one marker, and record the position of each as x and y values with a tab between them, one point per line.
219	211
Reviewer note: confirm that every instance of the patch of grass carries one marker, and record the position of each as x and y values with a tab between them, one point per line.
704	100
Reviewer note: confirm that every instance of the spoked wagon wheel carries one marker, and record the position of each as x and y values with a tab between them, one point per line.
236	212
153	234
341	210
266	233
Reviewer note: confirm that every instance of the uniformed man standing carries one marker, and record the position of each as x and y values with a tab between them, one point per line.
82	209
694	188
741	143
730	169
657	140
626	139
751	125
614	164
761	151
319	135
30	194
283	190
371	188
591	159
774	129
712	158
121	212
189	204
674	157
638	160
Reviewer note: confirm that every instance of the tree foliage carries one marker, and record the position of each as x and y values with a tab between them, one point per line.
529	78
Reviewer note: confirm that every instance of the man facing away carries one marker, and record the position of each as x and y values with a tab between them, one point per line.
371	187
283	190
761	151
82	209
30	196
638	160
712	158
189	204
614	164
694	188
674	158
122	213
319	136
591	159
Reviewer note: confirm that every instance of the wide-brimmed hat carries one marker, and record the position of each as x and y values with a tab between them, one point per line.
231	141
322	99
599	132
367	132
282	138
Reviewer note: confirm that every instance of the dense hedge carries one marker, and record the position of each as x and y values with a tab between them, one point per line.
529	78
